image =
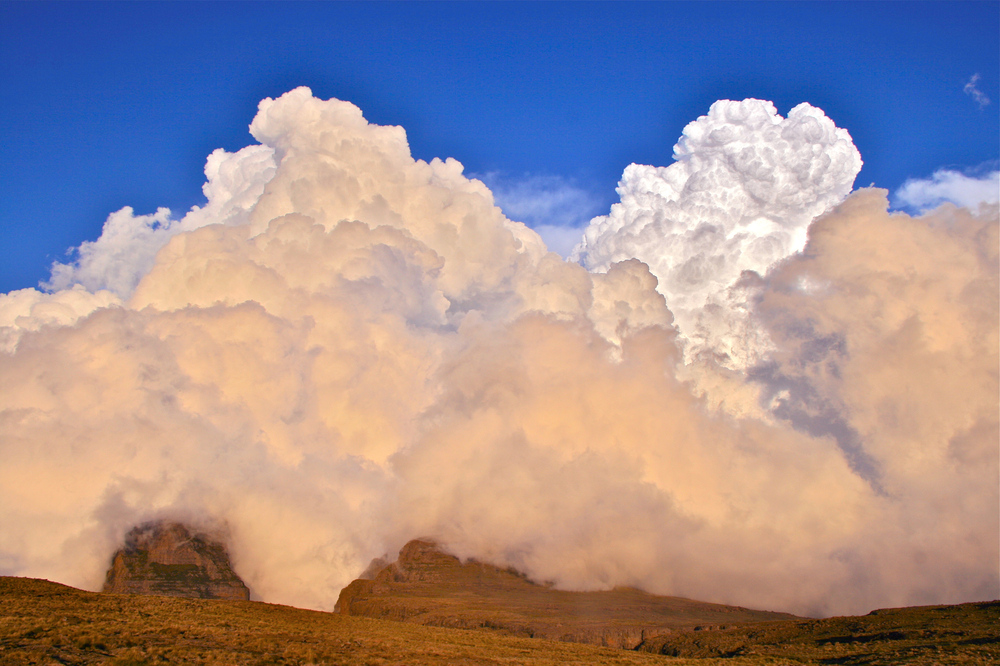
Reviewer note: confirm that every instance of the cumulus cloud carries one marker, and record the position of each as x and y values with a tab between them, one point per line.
947	185
974	92
739	197
128	243
27	310
375	352
886	330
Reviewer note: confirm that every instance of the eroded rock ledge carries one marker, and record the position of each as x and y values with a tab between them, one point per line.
168	559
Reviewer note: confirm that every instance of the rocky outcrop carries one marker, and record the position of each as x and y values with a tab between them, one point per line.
167	559
428	586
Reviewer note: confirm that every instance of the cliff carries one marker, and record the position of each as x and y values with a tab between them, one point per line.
166	559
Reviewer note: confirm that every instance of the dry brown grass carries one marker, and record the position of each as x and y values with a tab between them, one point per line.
961	634
427	586
46	623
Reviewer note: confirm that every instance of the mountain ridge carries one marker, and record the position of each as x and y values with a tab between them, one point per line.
428	586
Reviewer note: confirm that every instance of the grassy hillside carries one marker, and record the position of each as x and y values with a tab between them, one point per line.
427	586
962	634
47	623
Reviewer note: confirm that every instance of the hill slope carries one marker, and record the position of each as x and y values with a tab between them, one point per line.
962	634
47	623
427	586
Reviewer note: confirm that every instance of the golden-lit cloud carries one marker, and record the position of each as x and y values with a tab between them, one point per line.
369	351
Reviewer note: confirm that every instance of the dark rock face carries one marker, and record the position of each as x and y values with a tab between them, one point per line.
428	586
168	560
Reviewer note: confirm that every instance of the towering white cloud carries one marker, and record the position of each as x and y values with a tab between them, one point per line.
739	197
373	352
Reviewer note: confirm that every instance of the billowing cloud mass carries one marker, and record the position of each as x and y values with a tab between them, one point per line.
29	309
128	244
745	185
368	351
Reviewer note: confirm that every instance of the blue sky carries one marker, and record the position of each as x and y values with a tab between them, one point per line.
114	104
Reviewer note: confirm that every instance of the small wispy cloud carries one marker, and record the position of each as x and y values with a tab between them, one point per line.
554	206
975	93
920	194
